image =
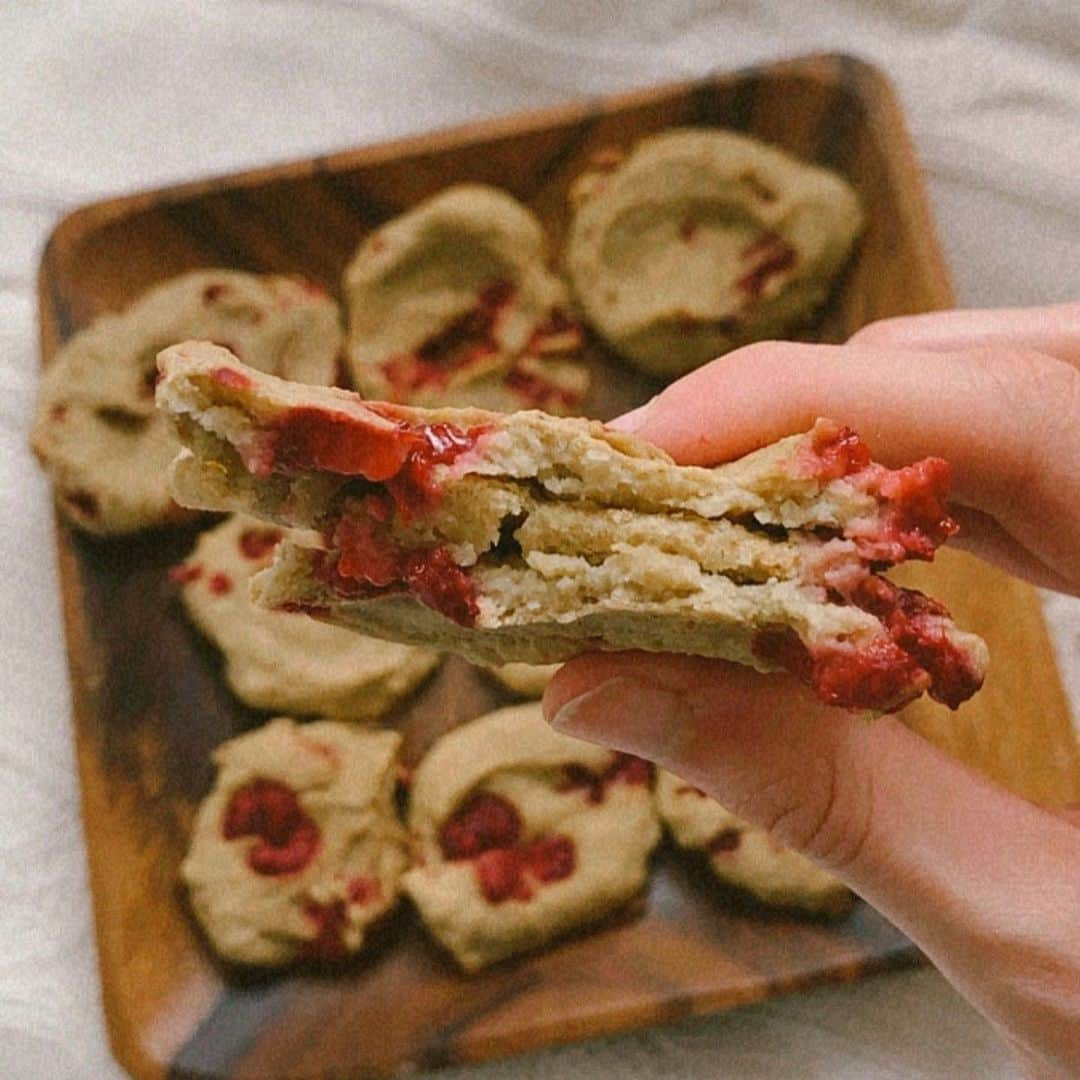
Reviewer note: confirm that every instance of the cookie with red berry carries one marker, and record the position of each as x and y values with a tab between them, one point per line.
743	855
523	834
285	661
453	303
699	240
97	433
297	850
531	538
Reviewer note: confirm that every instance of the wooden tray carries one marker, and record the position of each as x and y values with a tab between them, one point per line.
150	705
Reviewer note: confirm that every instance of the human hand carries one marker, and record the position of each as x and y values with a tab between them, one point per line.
985	883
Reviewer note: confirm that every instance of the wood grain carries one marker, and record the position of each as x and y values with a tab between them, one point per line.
150	704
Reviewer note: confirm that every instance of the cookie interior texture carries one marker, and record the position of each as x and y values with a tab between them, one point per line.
745	856
530	538
96	431
452	303
284	661
297	850
523	834
700	240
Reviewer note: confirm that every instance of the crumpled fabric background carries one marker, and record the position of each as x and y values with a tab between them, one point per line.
120	95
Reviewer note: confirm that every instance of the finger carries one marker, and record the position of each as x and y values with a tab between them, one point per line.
1054	330
1005	420
981	880
983	536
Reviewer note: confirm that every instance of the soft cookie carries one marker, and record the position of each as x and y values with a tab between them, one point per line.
296	851
743	855
452	304
286	661
701	240
97	433
524	834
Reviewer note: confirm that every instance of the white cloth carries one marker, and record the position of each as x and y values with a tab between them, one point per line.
111	97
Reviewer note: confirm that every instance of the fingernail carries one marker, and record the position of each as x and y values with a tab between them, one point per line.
632	420
627	714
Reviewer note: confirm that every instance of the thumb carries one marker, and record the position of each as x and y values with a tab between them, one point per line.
981	880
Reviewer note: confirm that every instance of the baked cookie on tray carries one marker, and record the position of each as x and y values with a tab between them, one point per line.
297	850
96	431
452	303
699	240
743	855
530	538
523	834
286	661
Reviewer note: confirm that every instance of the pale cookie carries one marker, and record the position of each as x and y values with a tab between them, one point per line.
531	538
297	851
524	680
524	834
701	240
287	661
97	433
743	855
452	304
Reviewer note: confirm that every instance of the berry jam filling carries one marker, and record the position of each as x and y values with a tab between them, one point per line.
487	829
538	393
559	333
368	561
220	584
287	839
918	654
625	769
768	258
183	573
328	944
484	822
724	840
258	543
467	340
364	890
914	520
230	377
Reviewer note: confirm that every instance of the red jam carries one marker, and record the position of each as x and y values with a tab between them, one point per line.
220	584
914	520
538	393
328	944
258	543
465	341
364	890
287	838
625	769
183	573
432	576
724	840
230	377
486	821
551	858
770	257
559	333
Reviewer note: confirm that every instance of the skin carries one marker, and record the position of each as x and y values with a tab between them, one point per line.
986	883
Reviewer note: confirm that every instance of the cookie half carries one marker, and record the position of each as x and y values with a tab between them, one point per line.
297	851
286	661
530	538
745	856
452	303
524	834
96	431
700	240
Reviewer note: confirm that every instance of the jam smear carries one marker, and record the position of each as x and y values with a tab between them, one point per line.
484	822
182	573
500	875
432	576
364	890
220	584
230	377
625	768
258	543
538	393
770	257
724	840
831	452
558	333
551	858
288	839
330	920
